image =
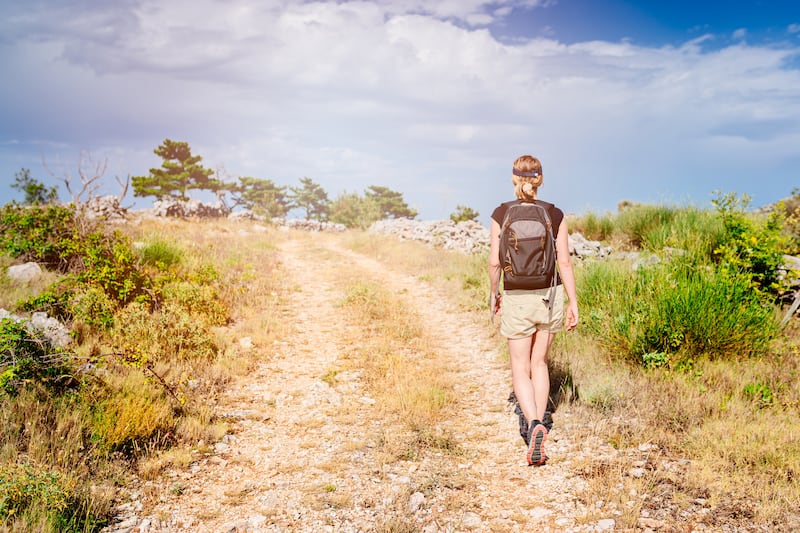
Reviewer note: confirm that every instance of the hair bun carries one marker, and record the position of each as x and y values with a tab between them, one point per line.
527	187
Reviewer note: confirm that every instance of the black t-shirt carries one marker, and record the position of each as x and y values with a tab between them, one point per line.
556	216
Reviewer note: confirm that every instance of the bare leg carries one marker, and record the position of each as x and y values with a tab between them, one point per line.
540	376
529	374
519	351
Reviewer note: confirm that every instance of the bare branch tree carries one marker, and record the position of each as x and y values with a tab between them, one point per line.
123	186
90	173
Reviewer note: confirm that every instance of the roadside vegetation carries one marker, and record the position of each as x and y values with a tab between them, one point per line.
152	347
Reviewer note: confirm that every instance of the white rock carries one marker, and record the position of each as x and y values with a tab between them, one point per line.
415	502
24	272
607	524
636	472
471	520
53	330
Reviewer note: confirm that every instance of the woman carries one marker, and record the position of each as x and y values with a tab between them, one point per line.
528	321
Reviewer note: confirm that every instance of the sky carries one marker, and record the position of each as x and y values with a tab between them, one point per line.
640	101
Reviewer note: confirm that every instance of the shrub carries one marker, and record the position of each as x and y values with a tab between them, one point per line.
133	414
42	233
670	314
32	495
200	301
73	245
161	254
93	307
169	334
109	262
28	357
790	208
751	248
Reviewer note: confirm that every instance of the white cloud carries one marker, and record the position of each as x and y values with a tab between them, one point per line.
415	95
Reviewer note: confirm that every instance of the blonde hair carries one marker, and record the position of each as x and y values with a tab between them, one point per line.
526	186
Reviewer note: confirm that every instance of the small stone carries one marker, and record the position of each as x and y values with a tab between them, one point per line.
607	524
221	447
415	502
636	472
650	523
471	520
257	521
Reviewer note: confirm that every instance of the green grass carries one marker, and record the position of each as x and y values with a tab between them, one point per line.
673	313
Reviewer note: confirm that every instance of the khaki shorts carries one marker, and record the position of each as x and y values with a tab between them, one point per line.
525	312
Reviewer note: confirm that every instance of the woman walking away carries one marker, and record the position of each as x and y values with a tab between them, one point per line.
528	239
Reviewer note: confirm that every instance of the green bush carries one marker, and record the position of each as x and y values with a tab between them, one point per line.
752	247
93	307
28	357
73	245
42	233
672	313
161	254
54	302
167	335
32	495
200	301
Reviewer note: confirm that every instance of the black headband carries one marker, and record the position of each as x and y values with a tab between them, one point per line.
531	174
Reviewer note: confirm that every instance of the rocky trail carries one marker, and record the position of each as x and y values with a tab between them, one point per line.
305	452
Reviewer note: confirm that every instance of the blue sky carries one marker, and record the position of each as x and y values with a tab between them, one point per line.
661	102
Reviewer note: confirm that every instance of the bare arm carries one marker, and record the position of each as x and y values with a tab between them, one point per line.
494	265
567	275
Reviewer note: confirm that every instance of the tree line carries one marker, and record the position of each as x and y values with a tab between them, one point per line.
182	172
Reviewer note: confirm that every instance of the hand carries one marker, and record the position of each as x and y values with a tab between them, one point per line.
571	321
495	301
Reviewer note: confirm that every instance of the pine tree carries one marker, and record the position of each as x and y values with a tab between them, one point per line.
390	203
180	172
463	213
261	196
312	198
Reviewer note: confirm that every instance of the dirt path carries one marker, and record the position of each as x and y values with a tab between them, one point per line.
305	451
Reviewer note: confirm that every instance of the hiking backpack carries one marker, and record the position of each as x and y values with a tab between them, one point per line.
528	247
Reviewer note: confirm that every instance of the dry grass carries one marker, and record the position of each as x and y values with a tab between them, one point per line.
713	417
396	356
464	275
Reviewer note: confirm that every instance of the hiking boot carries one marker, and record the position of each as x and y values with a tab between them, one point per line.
547	421
536	438
523	425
